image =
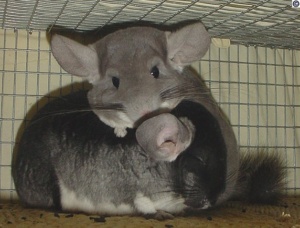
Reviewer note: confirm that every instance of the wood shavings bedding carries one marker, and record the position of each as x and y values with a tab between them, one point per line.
232	214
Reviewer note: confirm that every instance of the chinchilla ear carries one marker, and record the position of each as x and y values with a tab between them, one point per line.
75	58
187	44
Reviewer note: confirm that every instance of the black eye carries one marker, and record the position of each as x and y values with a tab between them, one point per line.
116	82
155	72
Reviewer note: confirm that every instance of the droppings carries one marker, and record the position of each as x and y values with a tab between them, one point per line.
23	218
98	219
244	210
41	215
169	226
285	205
209	218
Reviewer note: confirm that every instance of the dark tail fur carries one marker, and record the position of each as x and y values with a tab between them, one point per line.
261	178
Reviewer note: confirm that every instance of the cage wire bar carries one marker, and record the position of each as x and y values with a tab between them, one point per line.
255	81
258	88
272	23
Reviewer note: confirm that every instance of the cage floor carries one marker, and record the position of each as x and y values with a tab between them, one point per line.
233	214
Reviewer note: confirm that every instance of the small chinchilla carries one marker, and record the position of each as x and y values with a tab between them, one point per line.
131	67
147	139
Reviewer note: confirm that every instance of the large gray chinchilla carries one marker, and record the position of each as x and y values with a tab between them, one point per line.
148	138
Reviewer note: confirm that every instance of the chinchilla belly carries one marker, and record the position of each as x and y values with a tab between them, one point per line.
116	180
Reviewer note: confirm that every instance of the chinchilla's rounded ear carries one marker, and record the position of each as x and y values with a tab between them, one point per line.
187	44
75	58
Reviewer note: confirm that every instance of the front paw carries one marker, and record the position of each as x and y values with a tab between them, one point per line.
160	216
120	132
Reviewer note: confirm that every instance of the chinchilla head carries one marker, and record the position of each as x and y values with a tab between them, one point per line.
200	185
134	68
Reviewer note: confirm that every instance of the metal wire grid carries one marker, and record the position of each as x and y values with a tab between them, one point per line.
258	90
258	94
28	72
272	23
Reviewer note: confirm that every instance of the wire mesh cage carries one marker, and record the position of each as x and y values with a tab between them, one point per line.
255	78
265	23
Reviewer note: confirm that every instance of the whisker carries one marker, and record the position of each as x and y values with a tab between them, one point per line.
186	90
109	107
75	108
58	113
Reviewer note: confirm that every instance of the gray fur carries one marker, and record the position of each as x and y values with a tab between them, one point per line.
99	167
129	55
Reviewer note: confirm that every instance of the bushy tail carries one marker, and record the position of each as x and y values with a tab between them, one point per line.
261	178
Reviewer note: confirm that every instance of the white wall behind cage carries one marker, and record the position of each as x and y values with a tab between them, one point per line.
257	86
